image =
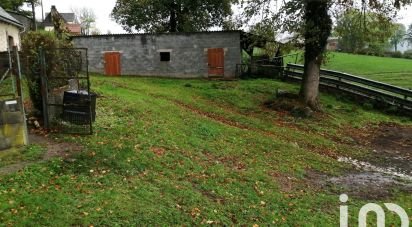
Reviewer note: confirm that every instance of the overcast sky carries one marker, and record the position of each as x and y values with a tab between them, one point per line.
103	8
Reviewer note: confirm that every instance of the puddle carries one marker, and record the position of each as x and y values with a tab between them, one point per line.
370	182
390	147
365	166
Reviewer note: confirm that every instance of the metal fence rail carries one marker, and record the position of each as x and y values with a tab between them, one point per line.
359	86
258	71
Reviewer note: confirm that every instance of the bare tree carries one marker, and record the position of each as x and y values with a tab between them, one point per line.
408	35
86	18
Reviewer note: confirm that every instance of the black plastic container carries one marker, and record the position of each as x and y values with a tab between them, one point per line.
77	107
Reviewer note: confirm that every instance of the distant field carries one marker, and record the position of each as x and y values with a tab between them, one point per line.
389	70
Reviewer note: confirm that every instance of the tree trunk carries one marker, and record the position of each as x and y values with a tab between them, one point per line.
42	11
33	10
318	26
310	85
173	21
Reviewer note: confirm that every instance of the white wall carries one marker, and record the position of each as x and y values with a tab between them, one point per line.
49	28
8	30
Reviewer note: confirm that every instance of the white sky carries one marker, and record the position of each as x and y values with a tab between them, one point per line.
406	16
103	8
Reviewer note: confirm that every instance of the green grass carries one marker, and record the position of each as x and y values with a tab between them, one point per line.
394	71
191	152
6	88
30	153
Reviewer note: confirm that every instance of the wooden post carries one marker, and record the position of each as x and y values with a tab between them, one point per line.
20	96
16	71
10	53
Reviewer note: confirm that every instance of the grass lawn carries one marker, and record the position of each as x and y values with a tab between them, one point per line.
193	152
394	71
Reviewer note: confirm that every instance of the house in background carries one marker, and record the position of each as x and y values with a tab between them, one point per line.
10	29
69	19
333	43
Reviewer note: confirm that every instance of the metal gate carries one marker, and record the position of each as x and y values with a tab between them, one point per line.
68	103
13	130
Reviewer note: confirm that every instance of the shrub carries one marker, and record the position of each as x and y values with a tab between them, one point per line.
397	54
32	44
407	54
362	52
371	52
387	53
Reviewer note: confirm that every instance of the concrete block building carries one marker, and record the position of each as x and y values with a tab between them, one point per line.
179	55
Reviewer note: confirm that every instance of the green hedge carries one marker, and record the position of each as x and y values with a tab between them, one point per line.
32	44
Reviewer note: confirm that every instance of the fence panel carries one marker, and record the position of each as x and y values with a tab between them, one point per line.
258	71
13	130
69	105
359	86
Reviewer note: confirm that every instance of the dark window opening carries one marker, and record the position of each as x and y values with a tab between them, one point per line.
11	43
164	56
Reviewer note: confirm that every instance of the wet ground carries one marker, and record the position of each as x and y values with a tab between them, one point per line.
385	171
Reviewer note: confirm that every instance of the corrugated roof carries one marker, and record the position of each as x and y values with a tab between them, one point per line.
165	33
7	18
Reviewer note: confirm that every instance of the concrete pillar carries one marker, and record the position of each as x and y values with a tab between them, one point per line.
12	125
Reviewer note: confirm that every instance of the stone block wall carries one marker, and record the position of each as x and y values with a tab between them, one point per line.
140	53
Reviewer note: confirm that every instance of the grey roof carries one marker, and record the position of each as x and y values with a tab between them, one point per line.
68	17
7	18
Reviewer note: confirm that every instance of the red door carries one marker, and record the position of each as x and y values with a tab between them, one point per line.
216	60
112	63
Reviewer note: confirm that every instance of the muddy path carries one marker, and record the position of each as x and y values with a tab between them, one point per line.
53	149
390	146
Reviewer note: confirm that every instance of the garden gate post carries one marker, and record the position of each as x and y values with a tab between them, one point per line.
44	89
19	91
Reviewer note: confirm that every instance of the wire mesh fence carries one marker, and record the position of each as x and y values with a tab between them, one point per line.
70	103
67	102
